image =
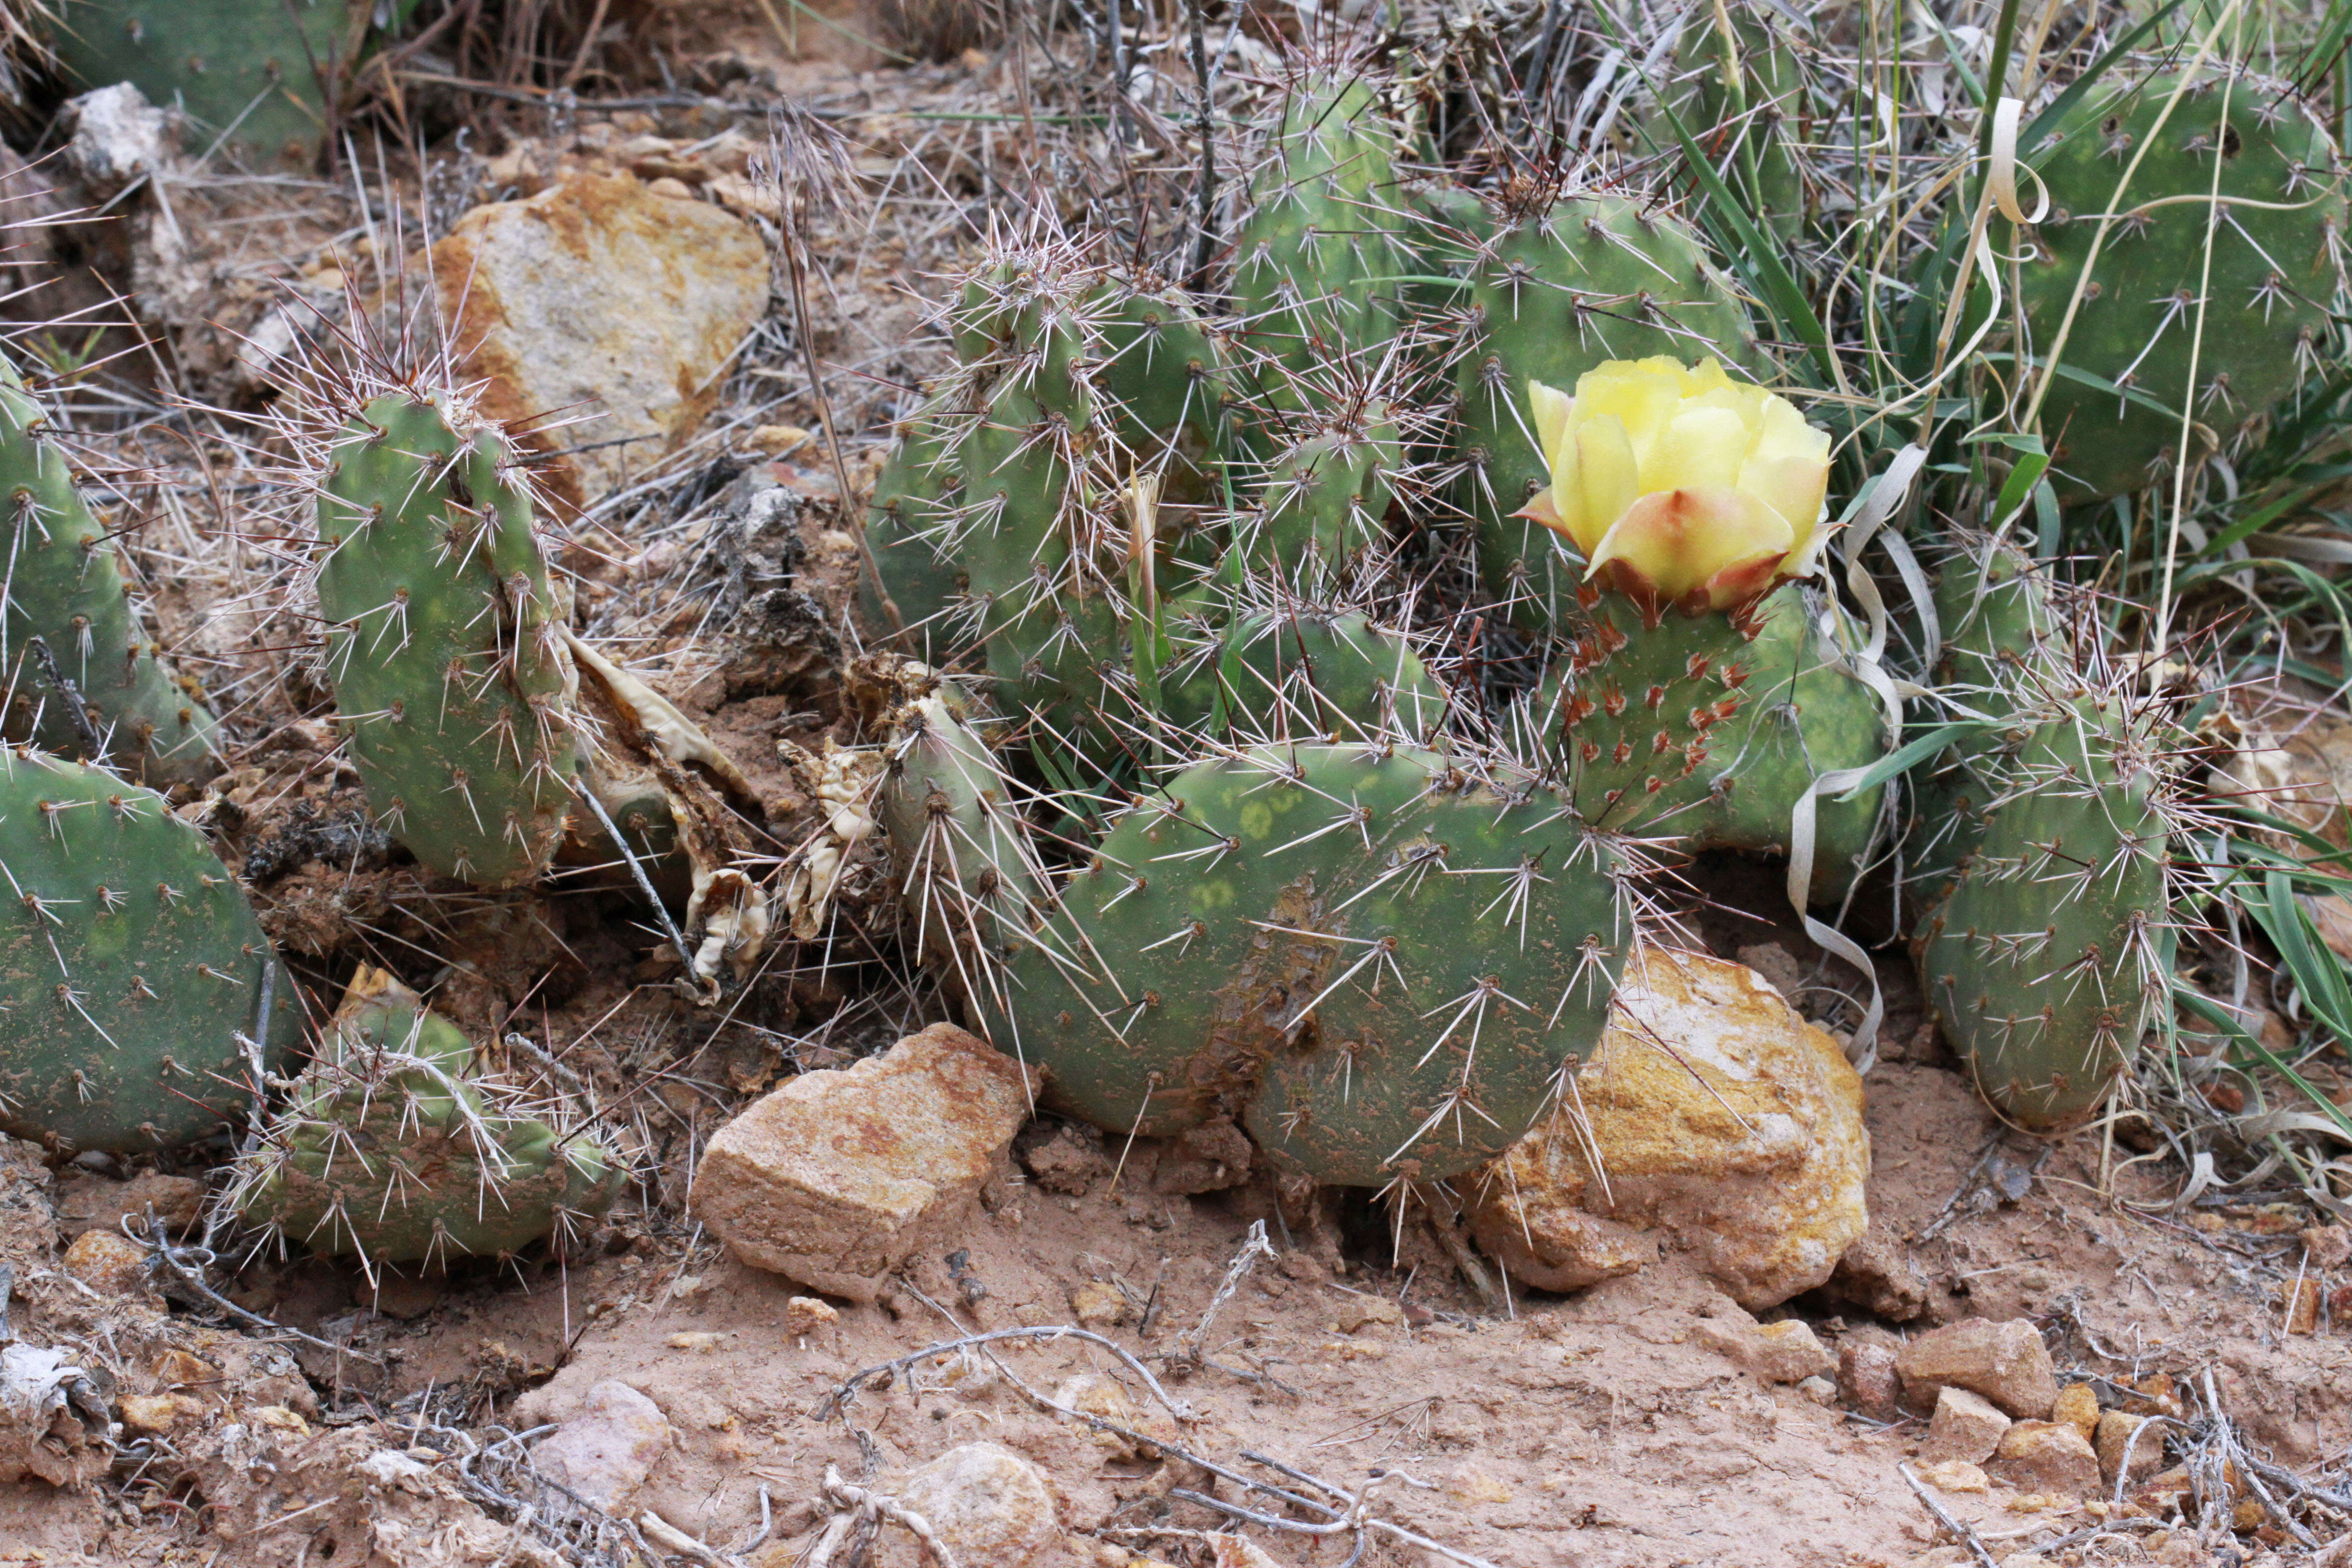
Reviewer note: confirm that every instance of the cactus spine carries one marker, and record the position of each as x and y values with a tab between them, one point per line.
64	586
450	675
393	1148
134	966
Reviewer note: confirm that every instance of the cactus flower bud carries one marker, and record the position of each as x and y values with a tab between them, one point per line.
1680	485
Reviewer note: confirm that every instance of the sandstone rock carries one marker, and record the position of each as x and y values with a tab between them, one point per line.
1818	1389
806	1314
1965	1426
1471	1487
987	1504
1205	1158
1096	1304
2007	1362
2047	1457
1775	1352
1955	1476
2116	1436
1229	1551
153	1413
1724	1123
87	1202
606	1452
1868	1382
2078	1407
599	298
1877	1274
110	1263
837	1177
1091	1393
2328	1246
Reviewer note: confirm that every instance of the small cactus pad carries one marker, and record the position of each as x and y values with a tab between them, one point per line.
2273	272
134	964
64	586
449	672
393	1148
1377	961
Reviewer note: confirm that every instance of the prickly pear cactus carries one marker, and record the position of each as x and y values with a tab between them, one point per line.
1708	728
1261	673
450	675
1316	263
1595	277
64	586
133	965
1378	961
2039	851
968	872
392	1147
2269	277
2045	962
246	70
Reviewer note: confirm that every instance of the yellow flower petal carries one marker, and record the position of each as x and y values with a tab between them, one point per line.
1608	480
1677	541
1701	446
1686	485
1550	408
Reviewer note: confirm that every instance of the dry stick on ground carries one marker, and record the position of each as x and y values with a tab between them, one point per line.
1958	1532
158	1243
864	1507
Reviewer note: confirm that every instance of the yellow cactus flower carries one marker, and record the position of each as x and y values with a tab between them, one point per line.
1679	483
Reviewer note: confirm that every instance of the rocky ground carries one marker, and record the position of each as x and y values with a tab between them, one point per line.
1739	1306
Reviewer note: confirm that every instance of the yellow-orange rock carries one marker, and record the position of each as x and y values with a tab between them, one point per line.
1723	1124
605	313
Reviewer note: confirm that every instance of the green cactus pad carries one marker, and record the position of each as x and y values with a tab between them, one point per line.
1709	728
393	1148
1380	964
2272	275
2047	959
64	586
450	677
967	873
134	964
906	519
1318	261
1315	675
249	63
1596	279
